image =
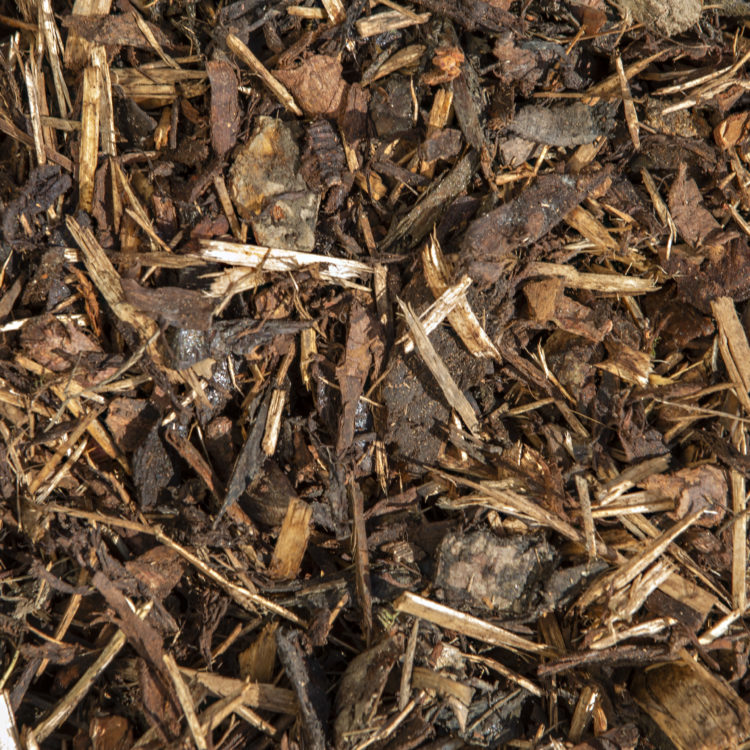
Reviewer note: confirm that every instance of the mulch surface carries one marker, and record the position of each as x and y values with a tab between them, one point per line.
374	375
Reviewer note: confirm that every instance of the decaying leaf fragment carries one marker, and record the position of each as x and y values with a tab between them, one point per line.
316	84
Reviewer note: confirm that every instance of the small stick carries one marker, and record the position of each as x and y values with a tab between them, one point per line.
74	696
460	622
241	50
631	118
186	701
582	487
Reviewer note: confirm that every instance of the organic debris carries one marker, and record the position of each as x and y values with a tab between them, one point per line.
374	375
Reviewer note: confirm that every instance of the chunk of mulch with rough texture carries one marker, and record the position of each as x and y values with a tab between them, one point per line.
491	240
693	221
316	85
702	488
482	572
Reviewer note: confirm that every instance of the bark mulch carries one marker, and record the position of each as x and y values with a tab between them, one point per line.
374	375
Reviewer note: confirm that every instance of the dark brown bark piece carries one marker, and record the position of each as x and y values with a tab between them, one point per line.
420	220
171	305
442	144
309	684
251	457
225	111
128	420
159	569
271	496
360	689
152	468
693	221
44	186
473	15
114	31
704	487
364	349
491	239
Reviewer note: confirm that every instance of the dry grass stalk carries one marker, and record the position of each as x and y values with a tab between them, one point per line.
107	281
595	282
151	39
154	87
53	47
291	543
473	627
89	150
462	317
65	446
242	51
278	400
361	556
493	495
609	88
583	713
186	702
215	714
30	78
660	207
277	259
302	11
107	129
720	628
631	118
453	394
582	488
390	20
75	695
649	553
623	604
226	204
68	396
630	477
739	540
634	502
509	674
616	635
426	679
734	348
12	131
408	666
711	85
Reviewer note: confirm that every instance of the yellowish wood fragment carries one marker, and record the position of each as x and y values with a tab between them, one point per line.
89	149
